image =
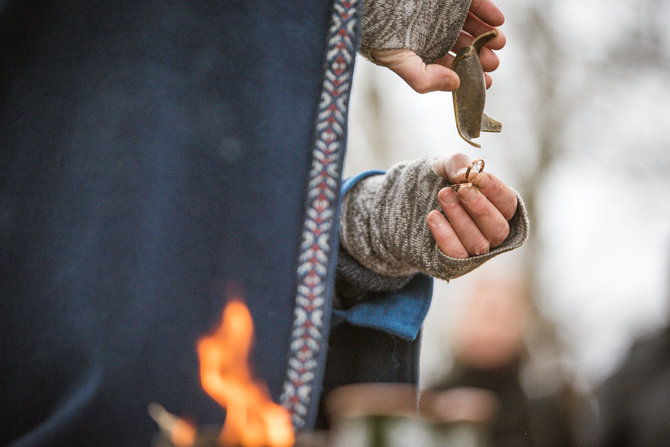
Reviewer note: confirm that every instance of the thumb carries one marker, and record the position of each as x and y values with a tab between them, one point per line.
411	68
452	168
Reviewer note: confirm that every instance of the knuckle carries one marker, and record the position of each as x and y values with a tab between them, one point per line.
511	210
454	252
479	247
462	254
500	235
422	87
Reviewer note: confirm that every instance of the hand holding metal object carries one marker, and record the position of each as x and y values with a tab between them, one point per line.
477	166
470	97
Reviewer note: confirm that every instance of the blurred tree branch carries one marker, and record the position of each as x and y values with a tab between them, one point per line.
558	98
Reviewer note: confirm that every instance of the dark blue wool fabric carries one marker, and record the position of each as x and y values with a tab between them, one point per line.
154	156
154	162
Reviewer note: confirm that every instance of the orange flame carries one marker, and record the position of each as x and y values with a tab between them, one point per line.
252	418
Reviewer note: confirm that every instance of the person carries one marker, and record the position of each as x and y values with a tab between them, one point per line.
157	154
489	350
632	404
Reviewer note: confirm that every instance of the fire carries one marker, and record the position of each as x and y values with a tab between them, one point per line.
252	418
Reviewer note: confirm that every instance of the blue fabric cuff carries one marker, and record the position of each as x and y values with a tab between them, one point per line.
399	312
351	181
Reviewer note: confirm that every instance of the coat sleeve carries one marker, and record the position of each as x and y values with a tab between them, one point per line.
429	28
388	257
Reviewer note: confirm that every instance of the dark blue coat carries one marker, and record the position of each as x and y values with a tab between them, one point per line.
154	156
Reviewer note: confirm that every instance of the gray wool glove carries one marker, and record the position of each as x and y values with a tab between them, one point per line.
427	27
383	225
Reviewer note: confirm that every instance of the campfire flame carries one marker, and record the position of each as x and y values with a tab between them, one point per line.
252	418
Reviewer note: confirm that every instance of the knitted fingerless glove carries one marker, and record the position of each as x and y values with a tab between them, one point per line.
427	27
383	225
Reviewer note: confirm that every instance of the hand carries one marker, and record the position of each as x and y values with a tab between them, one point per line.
477	215
483	16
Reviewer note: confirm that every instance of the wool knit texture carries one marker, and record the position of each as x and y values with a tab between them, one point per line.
354	283
427	27
383	225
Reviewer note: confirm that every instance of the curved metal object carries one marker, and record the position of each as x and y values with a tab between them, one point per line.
476	166
470	97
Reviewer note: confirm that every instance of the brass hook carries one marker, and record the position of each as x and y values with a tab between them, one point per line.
470	97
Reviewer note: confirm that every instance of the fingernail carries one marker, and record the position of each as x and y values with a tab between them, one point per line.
482	180
433	220
467	193
446	196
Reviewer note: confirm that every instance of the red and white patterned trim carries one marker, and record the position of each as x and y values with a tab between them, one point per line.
308	336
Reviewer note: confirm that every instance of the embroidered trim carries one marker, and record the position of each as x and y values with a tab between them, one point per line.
307	338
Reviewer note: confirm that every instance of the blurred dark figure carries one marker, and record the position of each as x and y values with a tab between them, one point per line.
489	352
633	404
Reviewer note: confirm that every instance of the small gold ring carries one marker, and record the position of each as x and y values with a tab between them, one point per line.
457	186
477	164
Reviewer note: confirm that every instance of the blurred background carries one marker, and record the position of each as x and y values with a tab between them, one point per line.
582	92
